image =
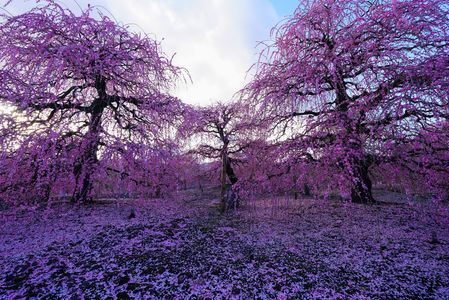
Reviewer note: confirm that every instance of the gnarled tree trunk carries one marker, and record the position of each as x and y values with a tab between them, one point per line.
228	197
85	164
362	189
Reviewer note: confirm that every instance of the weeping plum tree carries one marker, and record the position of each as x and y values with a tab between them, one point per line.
221	130
422	159
274	168
346	80
91	86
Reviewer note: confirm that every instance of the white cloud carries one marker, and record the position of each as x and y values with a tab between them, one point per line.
214	39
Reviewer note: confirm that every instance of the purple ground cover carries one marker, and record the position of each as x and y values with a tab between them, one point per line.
270	249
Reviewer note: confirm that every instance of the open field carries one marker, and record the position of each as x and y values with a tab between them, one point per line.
270	249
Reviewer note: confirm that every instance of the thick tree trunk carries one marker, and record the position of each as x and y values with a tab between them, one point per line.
362	189
84	167
223	181
230	171
226	191
83	184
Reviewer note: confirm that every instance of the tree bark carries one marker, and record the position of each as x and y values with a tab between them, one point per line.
223	180
230	171
84	167
226	171
362	189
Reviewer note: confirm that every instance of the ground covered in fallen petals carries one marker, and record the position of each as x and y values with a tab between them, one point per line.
270	249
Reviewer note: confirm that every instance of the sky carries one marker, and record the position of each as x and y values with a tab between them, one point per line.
215	40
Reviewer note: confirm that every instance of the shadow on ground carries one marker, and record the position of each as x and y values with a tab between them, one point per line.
271	249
